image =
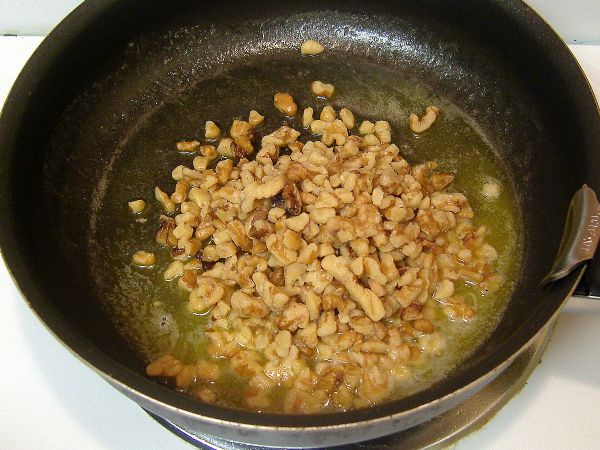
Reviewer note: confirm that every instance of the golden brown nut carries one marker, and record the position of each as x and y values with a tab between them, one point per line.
311	47
285	104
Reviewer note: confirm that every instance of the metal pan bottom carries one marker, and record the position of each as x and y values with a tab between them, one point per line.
439	432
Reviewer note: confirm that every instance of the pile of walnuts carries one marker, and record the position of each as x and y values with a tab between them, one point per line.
322	264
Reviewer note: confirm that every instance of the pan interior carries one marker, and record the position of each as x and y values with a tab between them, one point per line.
114	141
152	314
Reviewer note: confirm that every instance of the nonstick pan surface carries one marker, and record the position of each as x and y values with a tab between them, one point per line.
119	81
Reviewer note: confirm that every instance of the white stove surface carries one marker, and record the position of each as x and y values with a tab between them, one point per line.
49	399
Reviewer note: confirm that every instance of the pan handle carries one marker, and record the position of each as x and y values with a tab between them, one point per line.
579	243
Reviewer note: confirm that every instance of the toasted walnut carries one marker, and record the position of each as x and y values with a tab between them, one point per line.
322	215
259	225
242	147
321	89
369	302
440	180
374	386
281	137
486	252
366	127
208	151
327	325
425	122
208	371
327	114
317	127
335	131
373	271
281	255
347	117
434	222
374	347
407	294
188	280
452	202
283	342
177	172
445	289
296	172
291	195
206	294
247	306
256	191
211	130
269	293
295	316
245	364
186	377
412	312
277	276
181	190
357	266
188	146
285	104
164	200
363	325
165	366
311	47
137	206
292	240
175	269
275	214
381	126
458	310
255	119
164	235
200	163
297	223
307	117
423	325
226	148
268	154
223	170
239	128
293	272
308	254
144	259
308	336
238	235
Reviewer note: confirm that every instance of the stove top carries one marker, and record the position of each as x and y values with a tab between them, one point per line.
49	399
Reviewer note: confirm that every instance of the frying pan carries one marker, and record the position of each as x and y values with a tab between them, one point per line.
119	81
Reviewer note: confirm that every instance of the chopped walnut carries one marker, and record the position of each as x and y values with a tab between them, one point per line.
322	89
291	195
425	122
137	206
311	47
284	102
323	266
247	306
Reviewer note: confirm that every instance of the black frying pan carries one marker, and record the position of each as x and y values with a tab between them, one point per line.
119	81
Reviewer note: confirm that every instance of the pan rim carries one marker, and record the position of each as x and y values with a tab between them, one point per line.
146	388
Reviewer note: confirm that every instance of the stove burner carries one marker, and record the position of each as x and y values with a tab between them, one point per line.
438	432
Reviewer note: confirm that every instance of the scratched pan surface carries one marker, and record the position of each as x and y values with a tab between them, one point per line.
93	118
